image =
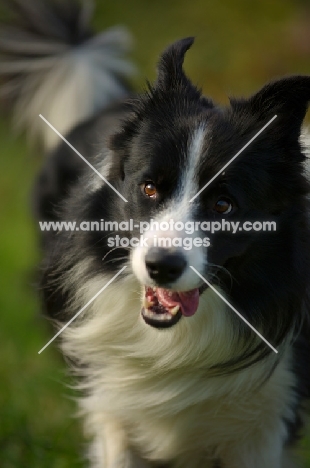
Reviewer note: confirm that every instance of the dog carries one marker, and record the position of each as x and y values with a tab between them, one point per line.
191	346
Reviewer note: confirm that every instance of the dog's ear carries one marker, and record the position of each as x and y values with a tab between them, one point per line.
287	98
171	77
170	66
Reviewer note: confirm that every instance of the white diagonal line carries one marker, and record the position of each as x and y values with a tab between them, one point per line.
82	157
83	308
235	310
232	159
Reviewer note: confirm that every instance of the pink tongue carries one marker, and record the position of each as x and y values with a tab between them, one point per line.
188	301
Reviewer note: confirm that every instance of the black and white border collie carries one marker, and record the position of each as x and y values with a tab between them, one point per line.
169	375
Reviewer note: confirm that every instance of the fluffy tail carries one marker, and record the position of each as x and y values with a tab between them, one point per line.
52	64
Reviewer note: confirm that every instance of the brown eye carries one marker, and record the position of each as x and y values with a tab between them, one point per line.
150	189
223	206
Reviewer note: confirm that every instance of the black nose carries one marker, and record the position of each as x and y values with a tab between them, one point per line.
164	265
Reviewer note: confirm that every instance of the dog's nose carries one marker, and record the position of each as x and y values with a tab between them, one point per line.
164	265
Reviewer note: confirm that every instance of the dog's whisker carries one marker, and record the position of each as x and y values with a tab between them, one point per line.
222	269
112	250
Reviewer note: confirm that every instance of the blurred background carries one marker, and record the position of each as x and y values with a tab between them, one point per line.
240	45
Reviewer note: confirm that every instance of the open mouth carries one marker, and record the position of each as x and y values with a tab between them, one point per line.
163	308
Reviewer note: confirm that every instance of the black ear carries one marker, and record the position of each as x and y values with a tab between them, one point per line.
170	66
287	98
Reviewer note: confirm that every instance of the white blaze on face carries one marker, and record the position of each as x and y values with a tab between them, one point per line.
190	185
179	210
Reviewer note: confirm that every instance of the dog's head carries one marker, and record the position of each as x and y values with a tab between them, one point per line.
172	163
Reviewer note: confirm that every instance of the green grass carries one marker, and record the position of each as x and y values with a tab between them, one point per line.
35	429
240	45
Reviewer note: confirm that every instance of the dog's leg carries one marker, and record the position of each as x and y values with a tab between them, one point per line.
110	449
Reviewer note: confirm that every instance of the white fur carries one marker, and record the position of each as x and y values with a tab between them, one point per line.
305	142
71	85
151	394
95	182
195	256
190	175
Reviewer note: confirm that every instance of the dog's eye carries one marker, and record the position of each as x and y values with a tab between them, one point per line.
223	206
150	189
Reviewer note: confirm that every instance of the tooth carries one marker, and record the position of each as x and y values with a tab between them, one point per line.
174	310
147	304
